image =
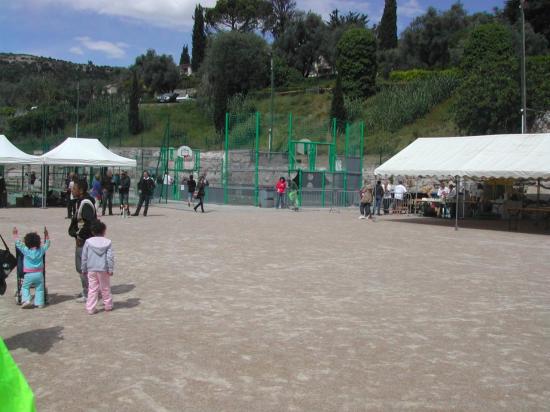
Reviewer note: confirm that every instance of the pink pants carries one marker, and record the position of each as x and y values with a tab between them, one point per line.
97	281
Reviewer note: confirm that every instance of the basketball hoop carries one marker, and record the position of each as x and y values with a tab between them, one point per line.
186	153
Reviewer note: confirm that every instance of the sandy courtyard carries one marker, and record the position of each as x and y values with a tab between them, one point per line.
244	309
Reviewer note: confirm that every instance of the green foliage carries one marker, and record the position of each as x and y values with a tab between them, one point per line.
282	13
338	108
415	74
238	15
538	83
300	44
488	101
537	13
134	124
400	104
387	30
235	63
356	62
284	74
198	39
185	58
159	72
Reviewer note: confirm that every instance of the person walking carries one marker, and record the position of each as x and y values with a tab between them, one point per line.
123	193
98	263
201	192
281	193
146	186
366	202
80	228
378	195
191	187
108	188
3	192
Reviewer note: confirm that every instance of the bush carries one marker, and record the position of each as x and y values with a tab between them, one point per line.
416	74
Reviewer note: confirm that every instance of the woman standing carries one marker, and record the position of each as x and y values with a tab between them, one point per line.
201	191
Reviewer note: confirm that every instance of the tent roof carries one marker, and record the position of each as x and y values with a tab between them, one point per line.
84	152
494	156
9	154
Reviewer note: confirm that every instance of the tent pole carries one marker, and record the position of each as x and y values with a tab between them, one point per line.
538	192
456	200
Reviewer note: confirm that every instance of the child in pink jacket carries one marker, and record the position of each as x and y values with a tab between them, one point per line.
98	263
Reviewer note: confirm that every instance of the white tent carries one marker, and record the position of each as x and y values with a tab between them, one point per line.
84	152
513	156
9	154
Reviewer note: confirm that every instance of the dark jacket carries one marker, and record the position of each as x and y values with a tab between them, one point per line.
201	188
2	184
107	184
379	191
81	222
124	184
147	186
191	185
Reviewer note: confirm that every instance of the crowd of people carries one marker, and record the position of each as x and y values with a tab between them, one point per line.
383	196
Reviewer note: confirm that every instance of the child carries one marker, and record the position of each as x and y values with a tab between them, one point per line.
33	264
98	263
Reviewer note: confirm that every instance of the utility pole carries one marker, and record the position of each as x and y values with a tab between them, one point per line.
522	6
272	104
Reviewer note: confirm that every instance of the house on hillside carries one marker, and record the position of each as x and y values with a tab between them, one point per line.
111	89
186	70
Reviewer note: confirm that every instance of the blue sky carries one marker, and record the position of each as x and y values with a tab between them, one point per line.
114	32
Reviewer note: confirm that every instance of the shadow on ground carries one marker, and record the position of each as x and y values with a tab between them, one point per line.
127	304
38	340
55	298
120	289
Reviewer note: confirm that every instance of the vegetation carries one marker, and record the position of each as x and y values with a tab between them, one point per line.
387	30
199	38
159	72
356	63
134	124
338	108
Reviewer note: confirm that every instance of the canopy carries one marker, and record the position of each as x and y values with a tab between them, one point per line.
513	156
84	152
9	154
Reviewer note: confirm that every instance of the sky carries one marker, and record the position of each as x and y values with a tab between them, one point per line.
114	32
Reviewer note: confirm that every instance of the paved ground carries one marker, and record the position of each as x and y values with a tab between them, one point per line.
247	309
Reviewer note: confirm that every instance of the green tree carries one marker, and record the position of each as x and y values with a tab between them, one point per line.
199	38
356	63
537	13
159	72
235	63
338	108
387	30
488	101
282	13
238	15
184	58
429	40
134	124
302	41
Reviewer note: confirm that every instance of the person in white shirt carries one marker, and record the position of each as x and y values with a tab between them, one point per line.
399	196
387	197
443	190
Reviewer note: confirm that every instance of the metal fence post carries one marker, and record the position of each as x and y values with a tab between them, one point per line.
257	161
226	160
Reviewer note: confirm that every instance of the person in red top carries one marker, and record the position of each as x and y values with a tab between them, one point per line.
281	192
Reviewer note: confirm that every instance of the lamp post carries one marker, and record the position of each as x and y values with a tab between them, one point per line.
522	5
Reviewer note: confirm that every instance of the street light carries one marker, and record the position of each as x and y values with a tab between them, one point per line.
522	5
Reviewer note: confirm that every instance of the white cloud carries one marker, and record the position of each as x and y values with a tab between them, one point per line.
325	7
409	8
76	50
176	14
113	50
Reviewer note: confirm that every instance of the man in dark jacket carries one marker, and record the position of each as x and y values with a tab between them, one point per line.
201	192
108	189
146	186
191	186
3	193
123	192
379	195
80	228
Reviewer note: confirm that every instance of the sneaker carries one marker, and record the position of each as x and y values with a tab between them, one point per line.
361	217
27	305
81	299
40	306
93	312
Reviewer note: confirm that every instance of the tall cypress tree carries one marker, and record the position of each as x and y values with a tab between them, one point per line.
199	38
338	108
387	31
134	124
184	58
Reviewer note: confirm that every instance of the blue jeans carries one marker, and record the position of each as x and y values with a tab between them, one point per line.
280	200
377	205
36	279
